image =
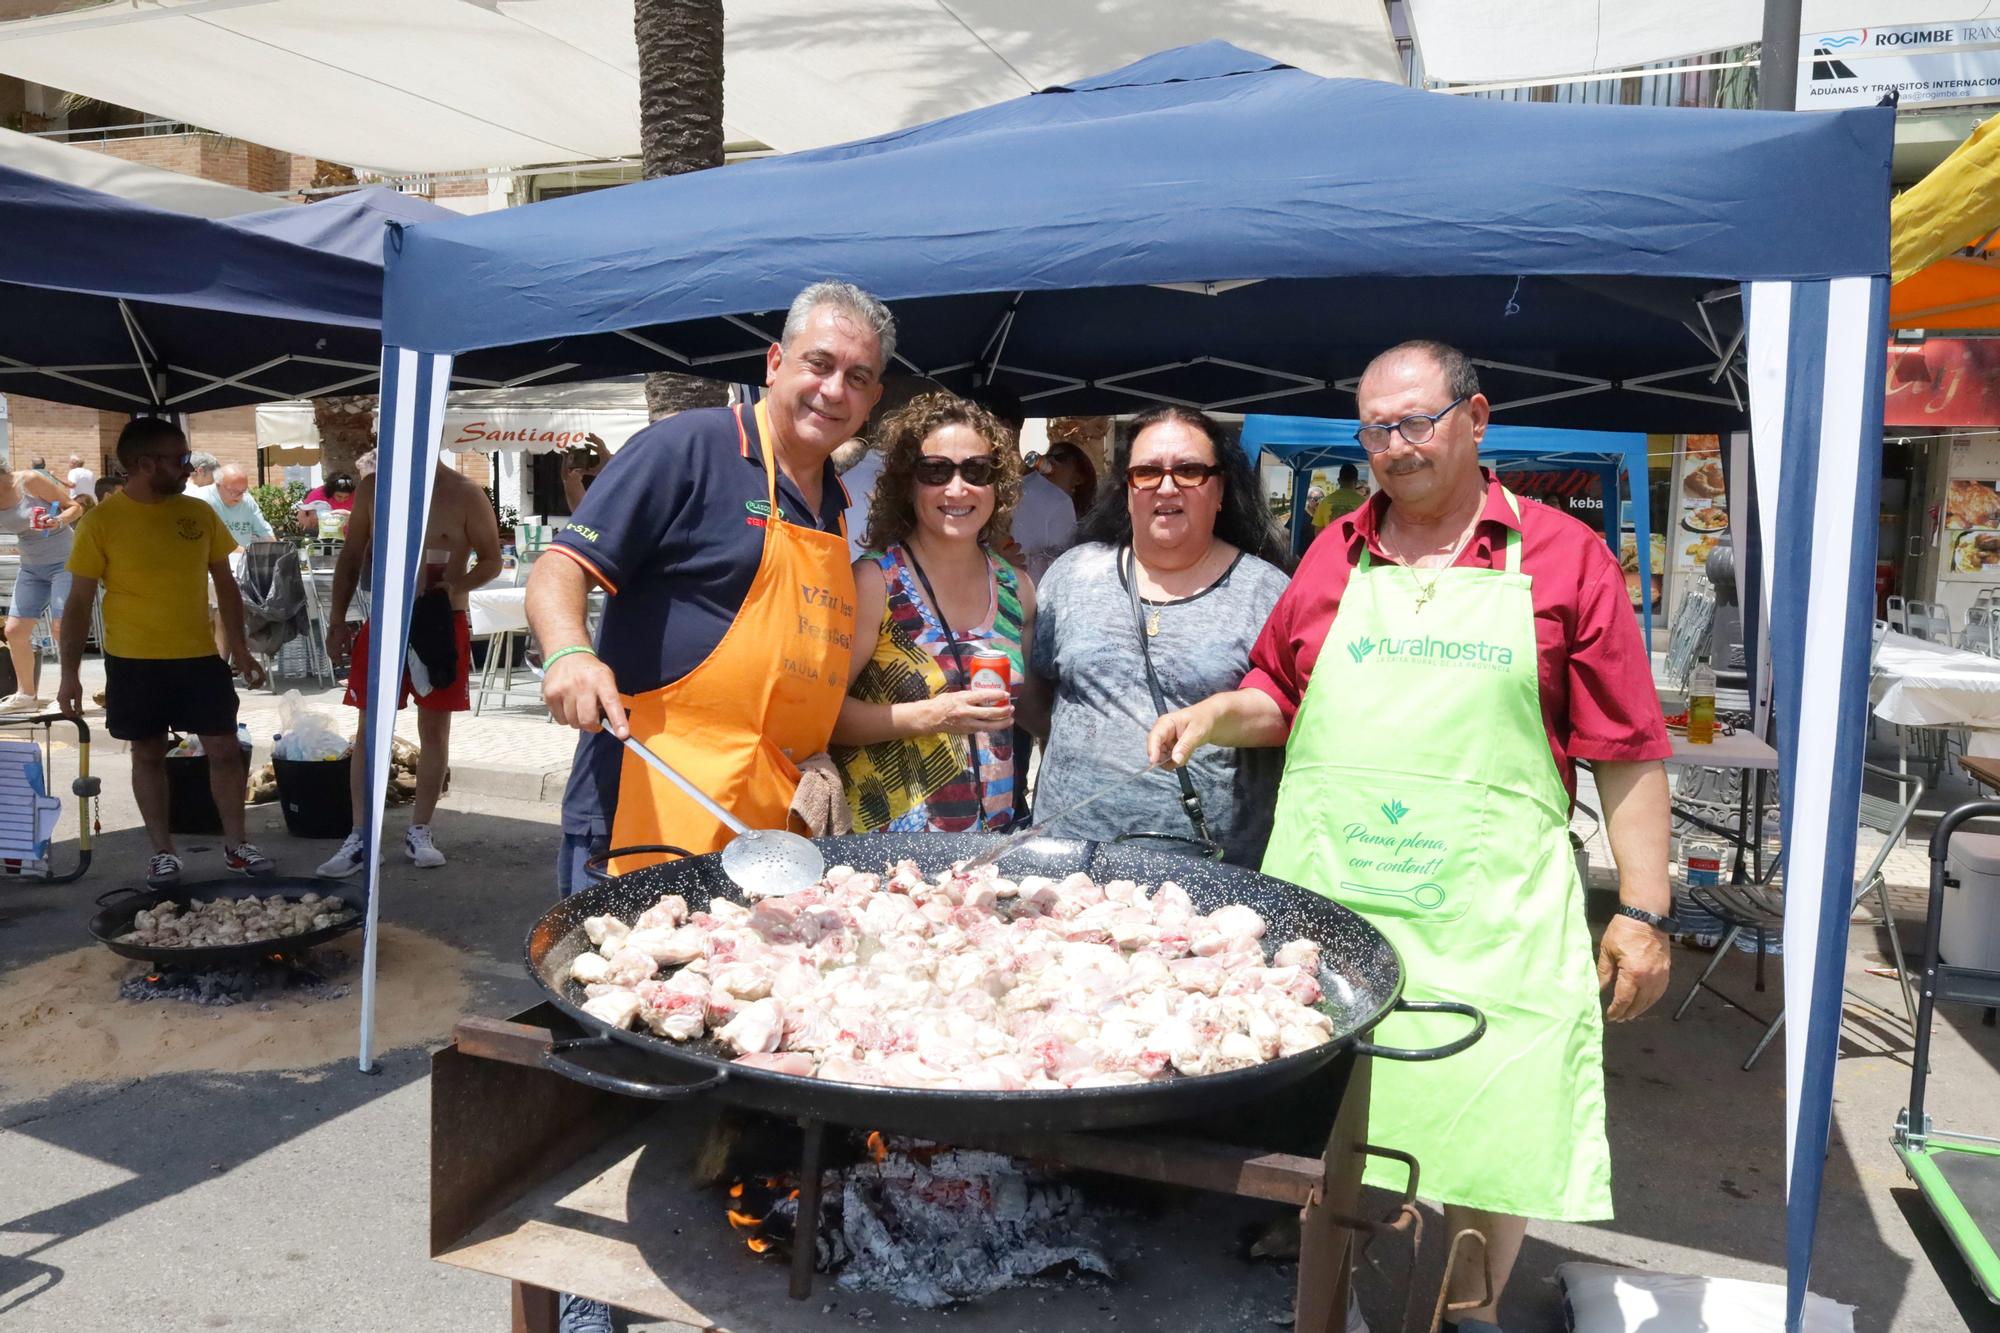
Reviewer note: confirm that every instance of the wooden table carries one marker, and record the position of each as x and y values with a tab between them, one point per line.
1984	768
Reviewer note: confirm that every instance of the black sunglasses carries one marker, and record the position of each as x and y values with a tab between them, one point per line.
1187	476
937	470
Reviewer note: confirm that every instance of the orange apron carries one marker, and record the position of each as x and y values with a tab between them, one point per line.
767	695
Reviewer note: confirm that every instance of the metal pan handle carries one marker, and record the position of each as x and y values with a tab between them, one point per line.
597	867
109	896
628	1087
1436	1052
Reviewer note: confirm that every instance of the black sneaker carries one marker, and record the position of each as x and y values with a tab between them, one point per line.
245	859
163	871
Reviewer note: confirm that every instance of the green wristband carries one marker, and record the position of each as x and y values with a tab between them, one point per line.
560	653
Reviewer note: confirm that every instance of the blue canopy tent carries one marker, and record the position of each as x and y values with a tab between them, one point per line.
117	305
1212	227
1306	444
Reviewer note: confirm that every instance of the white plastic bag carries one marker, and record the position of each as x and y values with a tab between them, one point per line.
309	734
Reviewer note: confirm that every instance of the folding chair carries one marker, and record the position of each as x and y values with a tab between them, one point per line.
1896	612
1761	909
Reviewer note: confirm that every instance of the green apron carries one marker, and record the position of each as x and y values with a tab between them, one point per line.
1419	791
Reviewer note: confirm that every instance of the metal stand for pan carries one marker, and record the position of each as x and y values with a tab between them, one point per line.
511	1140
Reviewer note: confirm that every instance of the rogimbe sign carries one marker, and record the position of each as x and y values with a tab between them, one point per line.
1922	63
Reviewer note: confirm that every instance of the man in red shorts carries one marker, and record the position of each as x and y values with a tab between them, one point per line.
461	551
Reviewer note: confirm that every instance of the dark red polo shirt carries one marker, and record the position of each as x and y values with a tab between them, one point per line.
1596	679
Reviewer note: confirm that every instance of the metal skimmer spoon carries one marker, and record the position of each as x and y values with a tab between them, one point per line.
761	862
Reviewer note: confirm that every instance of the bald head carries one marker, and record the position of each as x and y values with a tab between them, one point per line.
1439	470
231	481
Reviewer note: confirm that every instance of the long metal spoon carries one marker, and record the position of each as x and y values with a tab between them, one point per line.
760	861
1041	827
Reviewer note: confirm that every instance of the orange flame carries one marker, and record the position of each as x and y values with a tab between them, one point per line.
743	1221
758	1244
877	1149
736	1190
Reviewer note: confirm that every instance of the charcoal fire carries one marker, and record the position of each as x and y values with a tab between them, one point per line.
928	1225
275	974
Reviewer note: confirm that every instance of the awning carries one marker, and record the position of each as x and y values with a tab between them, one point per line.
432	85
1942	239
129	180
532	420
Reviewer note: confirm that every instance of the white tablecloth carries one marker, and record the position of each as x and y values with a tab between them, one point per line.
497	610
1920	684
1741	750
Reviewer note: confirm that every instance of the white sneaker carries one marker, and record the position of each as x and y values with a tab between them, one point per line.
417	842
20	703
345	861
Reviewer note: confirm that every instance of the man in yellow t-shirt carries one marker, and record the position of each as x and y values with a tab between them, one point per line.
154	550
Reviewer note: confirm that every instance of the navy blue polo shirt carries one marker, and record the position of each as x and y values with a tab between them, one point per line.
673	527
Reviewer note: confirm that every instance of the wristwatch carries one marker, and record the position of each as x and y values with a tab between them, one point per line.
1653	919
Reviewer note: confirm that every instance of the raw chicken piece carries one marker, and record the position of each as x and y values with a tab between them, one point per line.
675	1007
1298	953
668	946
588	968
629	967
757	1027
605	933
617	1008
670	911
796	1063
1237	922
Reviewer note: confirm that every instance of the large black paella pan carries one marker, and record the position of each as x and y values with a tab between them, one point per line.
1361	975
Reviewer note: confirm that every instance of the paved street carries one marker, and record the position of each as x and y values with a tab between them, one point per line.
295	1198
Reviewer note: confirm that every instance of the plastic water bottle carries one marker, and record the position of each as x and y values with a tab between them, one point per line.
1701	704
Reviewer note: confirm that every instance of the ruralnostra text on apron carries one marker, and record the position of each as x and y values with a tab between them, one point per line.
1419	791
767	696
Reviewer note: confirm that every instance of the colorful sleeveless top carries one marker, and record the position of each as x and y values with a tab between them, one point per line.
921	783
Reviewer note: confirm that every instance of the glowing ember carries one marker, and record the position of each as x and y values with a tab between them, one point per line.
877	1149
758	1244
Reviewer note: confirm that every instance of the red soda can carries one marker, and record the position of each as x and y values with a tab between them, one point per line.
990	671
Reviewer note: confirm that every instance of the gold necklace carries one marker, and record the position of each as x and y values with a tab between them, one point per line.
1153	610
1425	591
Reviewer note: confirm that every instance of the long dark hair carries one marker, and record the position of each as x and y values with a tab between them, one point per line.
1244	521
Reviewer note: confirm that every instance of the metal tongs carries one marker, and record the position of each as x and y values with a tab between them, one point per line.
762	862
1041	827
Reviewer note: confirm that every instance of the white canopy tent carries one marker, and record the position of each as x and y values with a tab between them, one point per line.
1478	41
129	180
433	85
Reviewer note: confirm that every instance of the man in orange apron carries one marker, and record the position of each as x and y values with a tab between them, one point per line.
716	536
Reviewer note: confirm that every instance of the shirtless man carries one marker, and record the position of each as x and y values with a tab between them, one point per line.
461	551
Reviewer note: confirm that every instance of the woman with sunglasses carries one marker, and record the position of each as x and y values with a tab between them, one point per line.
921	744
1155	607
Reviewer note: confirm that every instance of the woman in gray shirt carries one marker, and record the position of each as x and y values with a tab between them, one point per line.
1186	502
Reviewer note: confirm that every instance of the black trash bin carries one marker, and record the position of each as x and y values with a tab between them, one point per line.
190	806
314	795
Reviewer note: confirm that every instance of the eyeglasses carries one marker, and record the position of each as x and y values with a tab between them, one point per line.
1187	476
937	470
179	460
1417	428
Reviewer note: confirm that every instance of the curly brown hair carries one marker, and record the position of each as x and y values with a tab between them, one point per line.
892	513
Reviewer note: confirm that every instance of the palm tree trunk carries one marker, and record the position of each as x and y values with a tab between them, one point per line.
680	129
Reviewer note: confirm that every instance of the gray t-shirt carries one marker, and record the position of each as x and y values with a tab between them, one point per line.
29	521
1086	644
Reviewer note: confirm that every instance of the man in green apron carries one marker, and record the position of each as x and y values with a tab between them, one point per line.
1443	656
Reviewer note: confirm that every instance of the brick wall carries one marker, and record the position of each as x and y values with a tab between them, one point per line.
54	431
213	157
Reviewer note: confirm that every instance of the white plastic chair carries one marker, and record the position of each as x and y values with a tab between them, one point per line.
1929	621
